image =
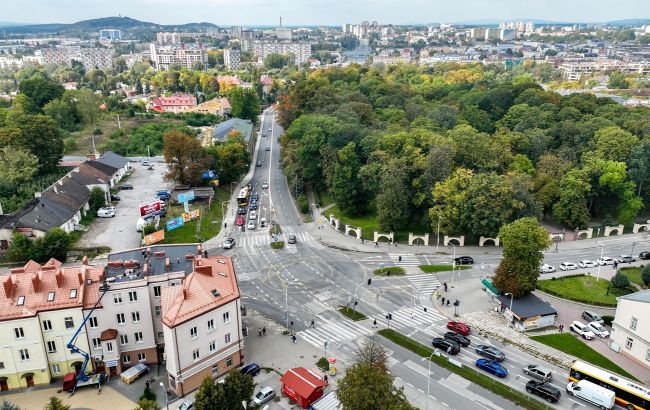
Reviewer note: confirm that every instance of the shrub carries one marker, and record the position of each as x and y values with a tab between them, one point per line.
148	395
277	245
645	275
303	203
620	281
149	228
608	319
323	364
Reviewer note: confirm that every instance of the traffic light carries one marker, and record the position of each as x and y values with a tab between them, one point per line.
292	323
369	281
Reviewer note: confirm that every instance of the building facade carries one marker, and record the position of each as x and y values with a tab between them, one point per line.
631	326
188	57
110	34
231	58
175	103
90	57
300	51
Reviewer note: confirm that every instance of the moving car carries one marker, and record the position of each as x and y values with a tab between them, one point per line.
447	345
115	198
568	266
251	224
263	396
241	210
239	221
146	163
492	367
265	185
252	215
229	243
253	369
254	205
644	255
590	316
105	213
546	391
262	222
538	372
458	338
626	258
267	148
464	260
490	352
605	260
598	329
126	186
270	129
459	327
259	163
255	197
586	263
582	329
292	239
592	393
546	268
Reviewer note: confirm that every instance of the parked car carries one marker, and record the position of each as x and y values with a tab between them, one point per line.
263	396
492	367
229	243
626	258
490	352
568	266
582	330
146	163
187	405
546	268
115	198
241	210
108	208
447	345
265	185
590	316
605	260
464	260
105	213
538	372
251	224
459	327
126	186
259	163
458	338
291	239
645	255
546	391
253	369
598	329
586	263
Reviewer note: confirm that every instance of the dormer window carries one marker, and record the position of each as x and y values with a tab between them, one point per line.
21	300
50	296
73	293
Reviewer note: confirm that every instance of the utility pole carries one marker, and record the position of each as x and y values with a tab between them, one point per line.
438	238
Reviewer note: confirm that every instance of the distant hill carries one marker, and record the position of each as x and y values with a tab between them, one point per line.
11	24
120	23
630	22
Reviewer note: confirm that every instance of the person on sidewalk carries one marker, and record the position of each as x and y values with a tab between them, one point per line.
362	241
443	301
445	286
376	244
264	331
312	325
447	302
374	323
293	339
259	331
561	327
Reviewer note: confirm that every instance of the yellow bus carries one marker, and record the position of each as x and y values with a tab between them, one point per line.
244	193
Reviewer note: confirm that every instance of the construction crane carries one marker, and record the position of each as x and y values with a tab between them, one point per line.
72	381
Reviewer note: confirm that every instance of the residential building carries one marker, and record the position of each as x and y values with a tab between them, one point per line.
477	34
283	33
176	103
168	38
216	106
391	59
231	58
300	51
90	57
225	128
120	163
631	327
525	313
188	57
110	34
236	31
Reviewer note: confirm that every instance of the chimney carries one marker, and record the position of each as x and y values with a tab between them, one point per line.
59	278
84	260
168	264
36	281
8	285
185	293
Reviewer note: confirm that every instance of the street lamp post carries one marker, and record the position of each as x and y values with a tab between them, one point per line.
437	240
511	299
354	296
325	345
453	265
602	250
429	378
166	395
286	300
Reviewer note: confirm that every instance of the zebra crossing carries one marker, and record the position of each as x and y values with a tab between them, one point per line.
404	259
264	239
424	283
409	318
330	331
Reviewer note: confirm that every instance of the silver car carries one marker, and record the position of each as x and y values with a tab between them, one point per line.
263	396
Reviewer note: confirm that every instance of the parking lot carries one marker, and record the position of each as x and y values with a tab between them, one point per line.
119	232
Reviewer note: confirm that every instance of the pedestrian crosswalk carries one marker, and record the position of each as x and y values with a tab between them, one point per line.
264	239
404	259
424	283
328	330
409	318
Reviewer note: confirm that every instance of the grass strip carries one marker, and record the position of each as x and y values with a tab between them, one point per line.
351	314
441	268
277	245
391	270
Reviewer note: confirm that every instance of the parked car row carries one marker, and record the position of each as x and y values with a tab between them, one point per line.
586	263
593	328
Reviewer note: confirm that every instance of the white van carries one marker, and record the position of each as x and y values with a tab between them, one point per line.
140	224
592	393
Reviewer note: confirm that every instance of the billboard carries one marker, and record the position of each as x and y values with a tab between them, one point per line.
175	223
146	209
193	214
186	196
154	237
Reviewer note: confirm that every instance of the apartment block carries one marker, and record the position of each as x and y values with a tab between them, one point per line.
189	57
168	37
631	328
110	34
300	51
231	58
90	57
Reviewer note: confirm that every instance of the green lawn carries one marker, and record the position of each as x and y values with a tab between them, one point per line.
324	199
583	289
351	314
571	345
277	244
634	274
394	271
441	268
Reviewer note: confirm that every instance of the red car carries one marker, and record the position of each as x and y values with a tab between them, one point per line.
459	327
240	220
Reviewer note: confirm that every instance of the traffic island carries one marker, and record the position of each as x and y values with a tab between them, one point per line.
390	271
277	245
352	314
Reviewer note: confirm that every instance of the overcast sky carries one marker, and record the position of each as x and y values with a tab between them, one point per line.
335	12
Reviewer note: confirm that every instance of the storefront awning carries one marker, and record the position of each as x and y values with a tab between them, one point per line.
490	287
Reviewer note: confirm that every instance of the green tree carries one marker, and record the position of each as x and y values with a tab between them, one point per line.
20	131
97	199
55	244
392	212
546	181
63	114
244	103
617	80
620	281
614	143
210	396
524	241
231	158
520	163
18	165
147	404
645	275
186	158
346	187
275	60
571	210
237	388
21	249
5	405
40	91
87	106
55	403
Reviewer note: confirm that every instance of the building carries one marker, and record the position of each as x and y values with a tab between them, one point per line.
166	37
300	51
303	386
188	57
120	163
177	103
631	327
110	34
527	312
477	34
391	59
90	57
236	32
231	58
283	33
216	106
225	128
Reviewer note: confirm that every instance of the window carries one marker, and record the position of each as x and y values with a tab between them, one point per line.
210	325
628	343
47	325
97	343
18	331
133	296
156	310
142	357
109	346
196	354
156	291
215	369
24	354
135	316
93	322
21	300
50	296
138	337
69	323
56	369
633	323
126	358
647	355
2	365
51	346
120	318
124	339
227	338
161	335
213	346
73	293
229	362
117	298
194	333
226	317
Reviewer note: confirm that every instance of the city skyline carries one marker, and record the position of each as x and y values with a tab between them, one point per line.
317	12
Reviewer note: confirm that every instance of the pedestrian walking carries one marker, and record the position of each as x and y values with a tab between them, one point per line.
443	301
445	286
411	315
147	384
259	331
561	327
312	325
615	264
264	330
362	241
376	244
205	253
293	339
447	302
374	323
395	243
325	378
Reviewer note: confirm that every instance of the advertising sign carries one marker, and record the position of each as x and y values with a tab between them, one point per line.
154	237
186	196
146	209
175	223
193	214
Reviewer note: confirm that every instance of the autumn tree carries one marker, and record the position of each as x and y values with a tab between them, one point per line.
185	157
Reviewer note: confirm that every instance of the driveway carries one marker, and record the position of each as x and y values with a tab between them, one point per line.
119	232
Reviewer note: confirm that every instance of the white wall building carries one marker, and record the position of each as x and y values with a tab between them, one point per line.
166	56
631	326
231	58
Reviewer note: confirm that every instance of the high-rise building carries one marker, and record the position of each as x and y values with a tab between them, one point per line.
236	31
110	34
231	58
347	28
283	33
188	57
90	57
165	37
300	51
530	27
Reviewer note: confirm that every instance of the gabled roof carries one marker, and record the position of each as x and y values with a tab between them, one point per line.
107	170
221	131
113	160
85	178
68	195
302	381
642	296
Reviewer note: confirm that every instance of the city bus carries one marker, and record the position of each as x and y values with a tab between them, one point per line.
244	193
628	394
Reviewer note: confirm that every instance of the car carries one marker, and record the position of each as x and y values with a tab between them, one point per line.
644	255
115	198
605	260
626	258
252	215
464	260
291	239
492	367
253	369
447	345
105	213
598	329
582	330
267	149
491	352
229	243
253	205
109	208
568	266
270	129
251	224
240	220
126	186
546	268
263	135
265	185
241	210
259	163
586	263
255	197
459	327
263	396
458	338
187	405
546	391
590	316
262	222
538	372
146	163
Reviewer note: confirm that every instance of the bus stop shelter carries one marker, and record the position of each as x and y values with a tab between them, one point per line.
302	386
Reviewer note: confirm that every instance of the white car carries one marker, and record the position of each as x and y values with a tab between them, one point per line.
598	329
582	329
546	268
265	185
146	163
109	208
568	266
586	263
251	224
605	260
265	395
253	215
105	213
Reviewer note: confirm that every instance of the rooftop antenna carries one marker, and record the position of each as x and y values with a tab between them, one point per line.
280	21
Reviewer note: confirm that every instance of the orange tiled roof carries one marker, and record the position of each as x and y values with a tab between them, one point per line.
211	284
108	334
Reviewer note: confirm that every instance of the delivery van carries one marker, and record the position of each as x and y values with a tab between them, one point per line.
592	393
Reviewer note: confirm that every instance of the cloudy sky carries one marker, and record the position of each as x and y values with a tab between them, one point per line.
302	12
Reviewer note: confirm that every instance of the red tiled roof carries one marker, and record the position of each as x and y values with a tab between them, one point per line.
176	99
211	284
302	381
108	334
71	163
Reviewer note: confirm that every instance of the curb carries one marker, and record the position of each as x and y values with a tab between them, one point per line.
544	294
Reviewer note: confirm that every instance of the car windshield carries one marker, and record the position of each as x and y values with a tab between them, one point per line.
259	395
598	327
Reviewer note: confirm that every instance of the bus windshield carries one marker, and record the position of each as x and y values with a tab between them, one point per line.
242	199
